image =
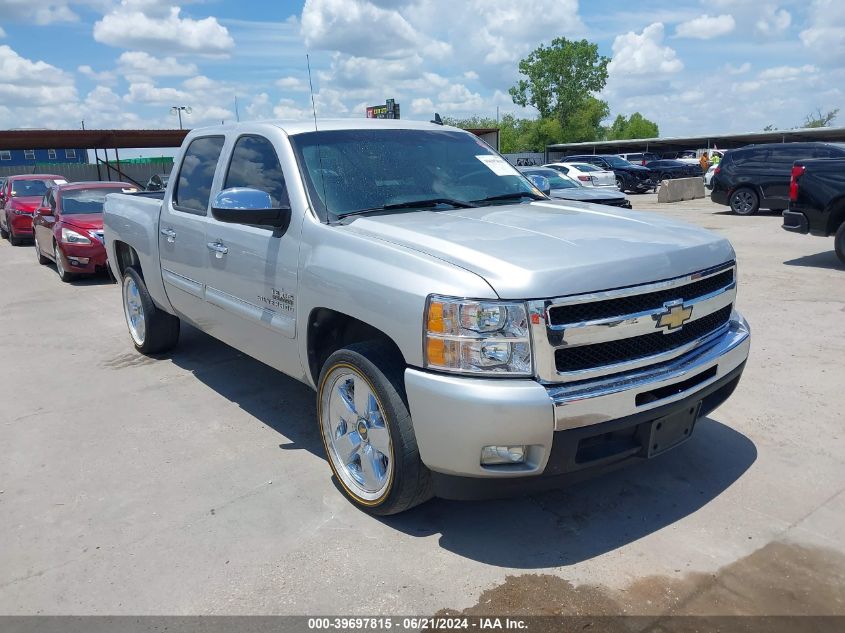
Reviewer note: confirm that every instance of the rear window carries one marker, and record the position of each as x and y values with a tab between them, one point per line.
76	201
196	175
585	167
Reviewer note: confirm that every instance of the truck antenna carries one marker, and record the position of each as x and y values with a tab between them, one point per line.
311	87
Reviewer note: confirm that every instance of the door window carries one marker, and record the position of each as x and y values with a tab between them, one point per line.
196	174
255	165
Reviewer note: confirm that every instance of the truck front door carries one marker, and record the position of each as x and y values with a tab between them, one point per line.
252	270
182	228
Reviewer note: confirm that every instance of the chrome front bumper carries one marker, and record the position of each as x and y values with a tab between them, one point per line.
597	401
456	416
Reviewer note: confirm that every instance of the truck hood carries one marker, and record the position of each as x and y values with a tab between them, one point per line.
550	248
586	194
87	221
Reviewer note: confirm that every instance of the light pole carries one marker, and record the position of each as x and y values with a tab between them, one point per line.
179	110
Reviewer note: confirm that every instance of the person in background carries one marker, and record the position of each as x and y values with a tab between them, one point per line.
704	161
716	158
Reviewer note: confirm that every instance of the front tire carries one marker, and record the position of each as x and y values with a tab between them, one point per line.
367	431
3	232
152	330
744	201
64	275
38	254
620	183
14	240
839	243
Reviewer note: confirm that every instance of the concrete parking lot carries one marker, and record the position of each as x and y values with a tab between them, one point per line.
195	483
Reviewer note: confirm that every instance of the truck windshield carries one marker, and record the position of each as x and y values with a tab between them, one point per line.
354	171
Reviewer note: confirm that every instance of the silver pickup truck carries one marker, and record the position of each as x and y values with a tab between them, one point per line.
466	335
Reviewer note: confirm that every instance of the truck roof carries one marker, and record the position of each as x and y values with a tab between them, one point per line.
307	125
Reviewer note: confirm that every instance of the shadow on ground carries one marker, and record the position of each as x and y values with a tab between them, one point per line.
827	259
557	528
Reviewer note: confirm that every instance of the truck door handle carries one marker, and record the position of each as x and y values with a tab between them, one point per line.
170	234
218	248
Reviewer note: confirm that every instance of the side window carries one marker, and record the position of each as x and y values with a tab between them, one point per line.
196	174
255	165
788	155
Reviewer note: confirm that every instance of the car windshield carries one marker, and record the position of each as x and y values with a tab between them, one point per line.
556	181
349	171
615	161
30	188
76	201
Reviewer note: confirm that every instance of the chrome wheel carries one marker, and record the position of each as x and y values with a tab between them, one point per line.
355	433
134	311
59	267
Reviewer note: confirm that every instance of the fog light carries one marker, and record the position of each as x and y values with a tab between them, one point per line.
493	455
78	261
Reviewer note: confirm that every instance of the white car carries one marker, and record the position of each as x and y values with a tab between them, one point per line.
708	177
586	174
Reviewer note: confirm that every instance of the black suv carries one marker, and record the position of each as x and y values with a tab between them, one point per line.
757	176
629	177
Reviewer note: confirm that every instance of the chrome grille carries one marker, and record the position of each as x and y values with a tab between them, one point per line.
588	336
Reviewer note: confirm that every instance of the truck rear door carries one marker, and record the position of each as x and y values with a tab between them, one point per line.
252	278
182	227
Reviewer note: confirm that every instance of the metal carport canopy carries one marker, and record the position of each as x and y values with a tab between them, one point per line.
720	141
90	139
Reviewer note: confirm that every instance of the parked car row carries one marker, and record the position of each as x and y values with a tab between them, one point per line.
63	220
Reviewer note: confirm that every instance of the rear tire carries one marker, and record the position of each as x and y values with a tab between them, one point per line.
152	330
839	243
3	232
14	240
620	184
367	430
744	201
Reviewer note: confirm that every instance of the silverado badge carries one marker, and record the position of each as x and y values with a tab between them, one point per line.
674	317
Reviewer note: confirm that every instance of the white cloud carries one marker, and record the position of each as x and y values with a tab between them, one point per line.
288	109
147	92
39	12
422	105
825	36
144	25
33	83
772	22
706	27
259	107
102	77
738	70
291	83
471	75
643	54
362	29
787	72
2	32
139	63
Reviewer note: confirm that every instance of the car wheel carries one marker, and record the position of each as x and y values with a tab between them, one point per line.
38	254
64	275
367	431
3	232
839	243
14	240
620	184
744	202
152	330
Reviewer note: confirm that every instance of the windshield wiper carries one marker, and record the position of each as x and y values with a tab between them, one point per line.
515	195
412	204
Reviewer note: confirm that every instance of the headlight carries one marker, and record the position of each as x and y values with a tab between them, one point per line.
72	237
477	337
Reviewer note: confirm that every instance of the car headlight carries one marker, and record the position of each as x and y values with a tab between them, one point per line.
477	337
72	237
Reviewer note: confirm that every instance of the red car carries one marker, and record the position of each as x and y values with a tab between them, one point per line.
68	226
19	198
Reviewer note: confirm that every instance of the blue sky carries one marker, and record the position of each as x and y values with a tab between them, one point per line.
693	67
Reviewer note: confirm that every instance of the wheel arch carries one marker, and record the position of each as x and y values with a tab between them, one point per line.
329	330
126	256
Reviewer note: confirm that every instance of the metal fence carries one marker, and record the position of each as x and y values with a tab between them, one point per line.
138	172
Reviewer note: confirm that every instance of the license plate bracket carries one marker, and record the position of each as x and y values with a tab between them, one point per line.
669	431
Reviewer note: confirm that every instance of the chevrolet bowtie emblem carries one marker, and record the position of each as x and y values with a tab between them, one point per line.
675	317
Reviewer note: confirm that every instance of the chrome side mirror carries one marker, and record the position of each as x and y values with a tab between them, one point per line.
243	205
541	182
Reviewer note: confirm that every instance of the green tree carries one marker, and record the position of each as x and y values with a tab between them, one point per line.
560	79
635	126
820	120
